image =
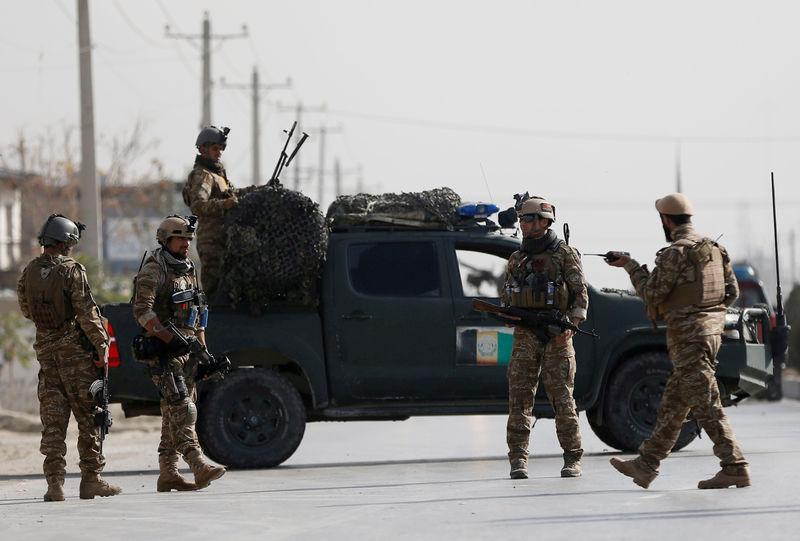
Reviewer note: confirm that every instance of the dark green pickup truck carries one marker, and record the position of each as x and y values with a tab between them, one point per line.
396	335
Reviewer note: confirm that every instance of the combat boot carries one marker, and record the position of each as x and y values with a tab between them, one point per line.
204	472
641	473
168	476
93	485
572	463
738	475
55	488
519	468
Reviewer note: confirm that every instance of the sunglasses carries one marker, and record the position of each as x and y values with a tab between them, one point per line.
528	218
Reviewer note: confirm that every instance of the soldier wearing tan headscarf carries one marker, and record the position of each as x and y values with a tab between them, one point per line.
690	288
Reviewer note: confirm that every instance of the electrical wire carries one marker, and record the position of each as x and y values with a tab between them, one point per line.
555	134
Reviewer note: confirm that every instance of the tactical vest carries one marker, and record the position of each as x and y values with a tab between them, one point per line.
47	293
540	284
705	272
178	299
218	191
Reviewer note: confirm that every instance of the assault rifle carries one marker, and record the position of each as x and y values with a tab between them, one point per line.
209	366
544	324
98	391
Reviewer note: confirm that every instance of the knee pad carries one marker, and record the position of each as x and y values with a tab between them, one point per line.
191	414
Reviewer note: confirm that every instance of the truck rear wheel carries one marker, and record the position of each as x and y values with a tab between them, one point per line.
631	402
253	418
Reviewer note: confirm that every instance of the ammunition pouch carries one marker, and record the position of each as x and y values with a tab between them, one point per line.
534	297
172	387
187	305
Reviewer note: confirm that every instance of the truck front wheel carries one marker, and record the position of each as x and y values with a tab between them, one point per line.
253	418
631	402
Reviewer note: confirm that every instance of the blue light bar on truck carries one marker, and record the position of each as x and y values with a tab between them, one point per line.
477	210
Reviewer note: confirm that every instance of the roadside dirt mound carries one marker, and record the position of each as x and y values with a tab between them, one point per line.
19	422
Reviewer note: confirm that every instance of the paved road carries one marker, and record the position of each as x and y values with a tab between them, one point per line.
434	478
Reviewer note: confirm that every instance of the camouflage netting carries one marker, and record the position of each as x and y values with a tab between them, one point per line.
276	244
416	208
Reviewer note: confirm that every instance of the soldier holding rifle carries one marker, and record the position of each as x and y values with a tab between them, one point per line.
166	291
545	274
71	344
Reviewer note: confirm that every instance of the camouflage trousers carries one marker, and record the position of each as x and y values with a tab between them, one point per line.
692	387
556	365
65	374
177	435
211	252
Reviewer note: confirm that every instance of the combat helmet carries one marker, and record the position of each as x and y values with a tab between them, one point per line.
538	205
212	135
59	228
176	226
674	204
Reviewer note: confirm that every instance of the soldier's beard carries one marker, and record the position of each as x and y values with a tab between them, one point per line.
667	233
177	255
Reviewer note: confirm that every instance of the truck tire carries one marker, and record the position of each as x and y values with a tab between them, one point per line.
631	401
253	418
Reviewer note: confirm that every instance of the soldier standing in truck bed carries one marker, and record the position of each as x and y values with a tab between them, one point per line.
209	194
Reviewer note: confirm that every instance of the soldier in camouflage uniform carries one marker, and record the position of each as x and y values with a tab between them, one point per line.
690	288
166	289
209	193
545	274
71	344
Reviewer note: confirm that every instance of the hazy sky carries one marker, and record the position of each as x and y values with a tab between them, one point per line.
581	102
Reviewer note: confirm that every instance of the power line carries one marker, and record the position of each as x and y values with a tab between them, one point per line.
67	13
556	134
133	27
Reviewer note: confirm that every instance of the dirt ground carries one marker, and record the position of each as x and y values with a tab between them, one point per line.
20	434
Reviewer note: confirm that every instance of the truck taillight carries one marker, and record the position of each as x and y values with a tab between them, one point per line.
113	352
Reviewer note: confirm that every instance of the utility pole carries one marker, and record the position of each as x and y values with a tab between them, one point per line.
256	89
678	187
206	36
323	131
298	109
91	210
792	248
337	177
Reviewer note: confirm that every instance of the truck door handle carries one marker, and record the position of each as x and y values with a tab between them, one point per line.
473	317
357	316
